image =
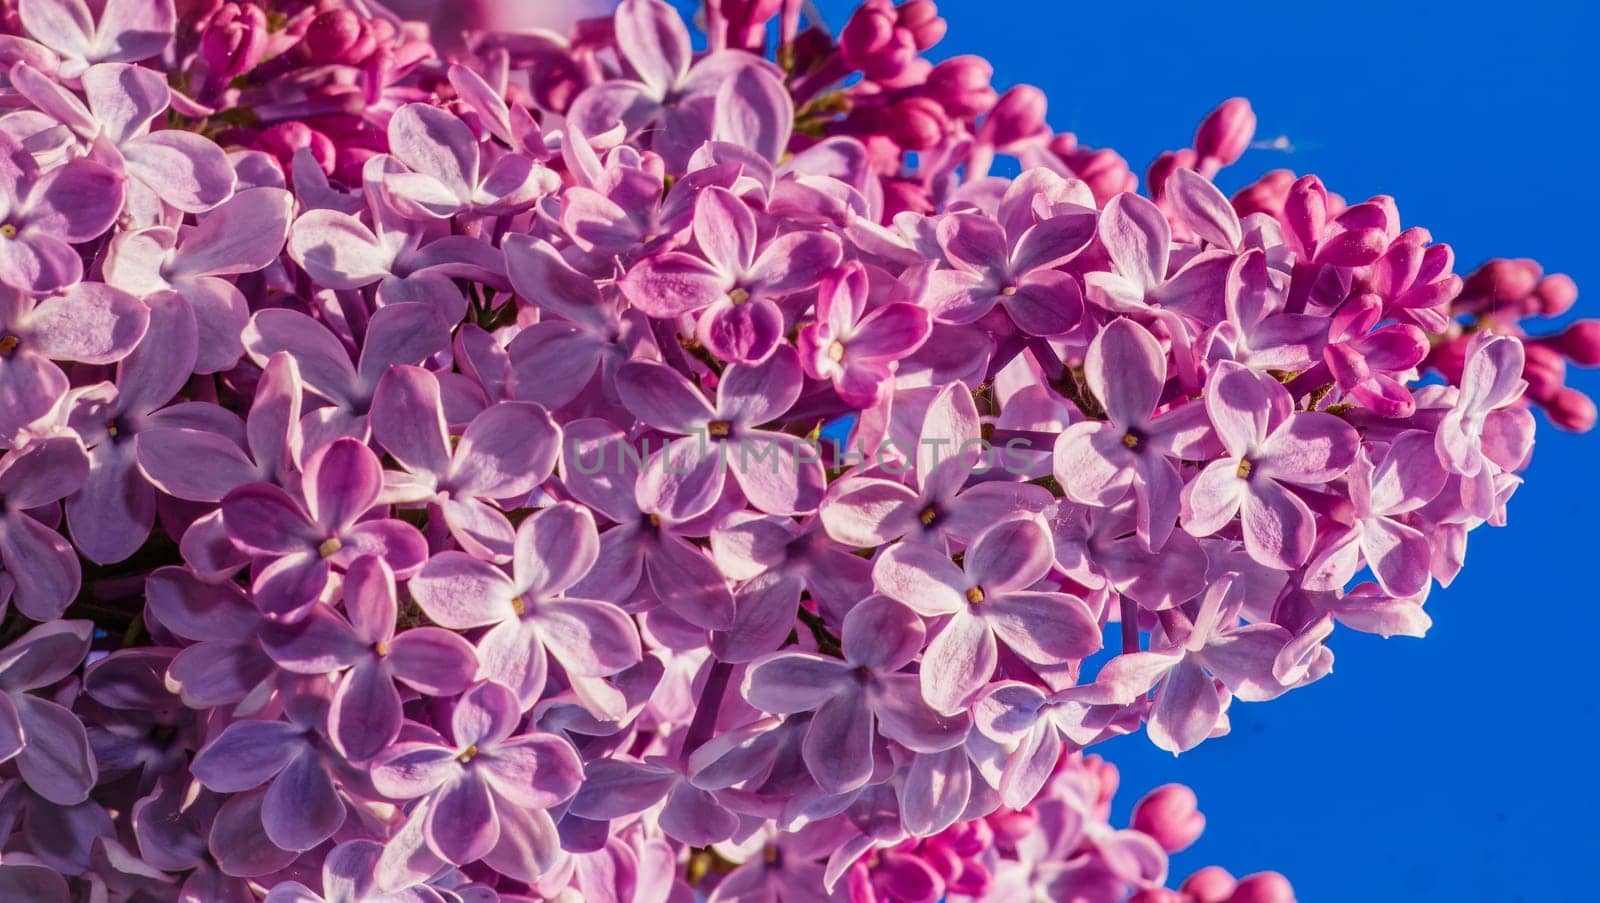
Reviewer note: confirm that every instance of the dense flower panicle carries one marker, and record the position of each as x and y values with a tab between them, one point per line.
489	463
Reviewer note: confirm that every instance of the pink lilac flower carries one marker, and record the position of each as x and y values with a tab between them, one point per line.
484	792
295	547
44	738
1270	448
857	698
528	614
737	278
364	712
43	213
988	601
855	348
44	572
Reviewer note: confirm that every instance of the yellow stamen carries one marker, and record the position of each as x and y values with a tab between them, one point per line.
8	231
1008	290
1244	468
975	595
9	344
329	547
467	754
519	604
719	429
111	428
381	648
928	516
1130	440
836	350
739	295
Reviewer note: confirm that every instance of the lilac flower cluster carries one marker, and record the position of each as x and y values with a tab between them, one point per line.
410	486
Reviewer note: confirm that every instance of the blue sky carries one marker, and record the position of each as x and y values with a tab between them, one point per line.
1459	767
1456	767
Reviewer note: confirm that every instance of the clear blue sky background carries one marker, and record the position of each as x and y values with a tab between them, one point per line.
1460	767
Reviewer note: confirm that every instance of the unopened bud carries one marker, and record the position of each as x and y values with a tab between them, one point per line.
961	85
1164	166
1169	814
1544	369
917	123
1211	884
921	19
1580	342
1226	132
1305	212
1263	887
1571	410
337	36
1556	293
1016	117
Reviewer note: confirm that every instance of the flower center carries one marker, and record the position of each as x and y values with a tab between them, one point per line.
8	344
468	754
1131	440
519	604
1008	290
928	516
381	648
771	855
8	231
111	428
739	295
329	547
975	595
719	429
836	350
1245	466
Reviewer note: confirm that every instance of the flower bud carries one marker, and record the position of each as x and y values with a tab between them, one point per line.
747	22
1266	195
1502	281
1580	342
1169	814
1556	293
1544	368
233	42
917	123
961	85
1224	135
921	19
1016	117
1163	167
1211	884
1571	410
1263	887
1305	212
1158	895
337	36
283	139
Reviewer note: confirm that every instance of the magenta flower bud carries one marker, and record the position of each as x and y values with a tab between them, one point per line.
871	43
338	36
1502	281
747	21
1305	212
961	85
1226	132
1544	369
1016	117
233	42
1556	294
283	139
917	123
1163	166
1263	887
1211	884
921	19
1580	342
1266	195
1158	895
1570	410
1169	814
